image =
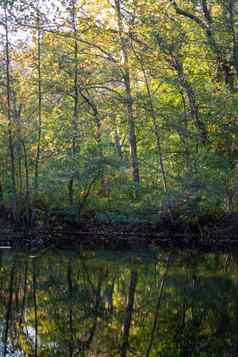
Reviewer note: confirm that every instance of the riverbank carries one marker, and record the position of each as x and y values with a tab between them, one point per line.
205	233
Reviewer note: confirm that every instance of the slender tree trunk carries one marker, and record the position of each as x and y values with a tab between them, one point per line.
20	180
128	315
16	114
9	116
24	294
191	95
8	310
132	133
1	195
185	134
74	122
156	128
21	148
85	345
70	294
28	198
231	6
93	106
157	310
128	97
157	134
118	143
35	311
103	179
39	124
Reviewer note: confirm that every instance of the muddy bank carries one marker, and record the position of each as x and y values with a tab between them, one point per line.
206	233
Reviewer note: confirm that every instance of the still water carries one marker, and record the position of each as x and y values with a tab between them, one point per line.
87	303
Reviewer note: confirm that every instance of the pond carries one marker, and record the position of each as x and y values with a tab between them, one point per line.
102	303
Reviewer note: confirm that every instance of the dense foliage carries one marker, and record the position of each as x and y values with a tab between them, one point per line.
120	106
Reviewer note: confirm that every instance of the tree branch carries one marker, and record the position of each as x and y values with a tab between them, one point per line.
189	15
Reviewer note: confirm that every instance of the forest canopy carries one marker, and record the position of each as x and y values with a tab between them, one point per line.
124	107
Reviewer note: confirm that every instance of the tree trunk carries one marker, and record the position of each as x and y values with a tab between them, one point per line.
74	122
128	98
38	148
223	66
8	310
24	294
9	116
158	139
231	23
70	295
157	310
128	315
194	109
35	310
28	197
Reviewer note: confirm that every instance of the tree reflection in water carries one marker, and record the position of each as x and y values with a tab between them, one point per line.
101	304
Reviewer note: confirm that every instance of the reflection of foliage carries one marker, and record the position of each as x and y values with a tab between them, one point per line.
82	302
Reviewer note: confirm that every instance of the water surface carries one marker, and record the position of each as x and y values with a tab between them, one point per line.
87	303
